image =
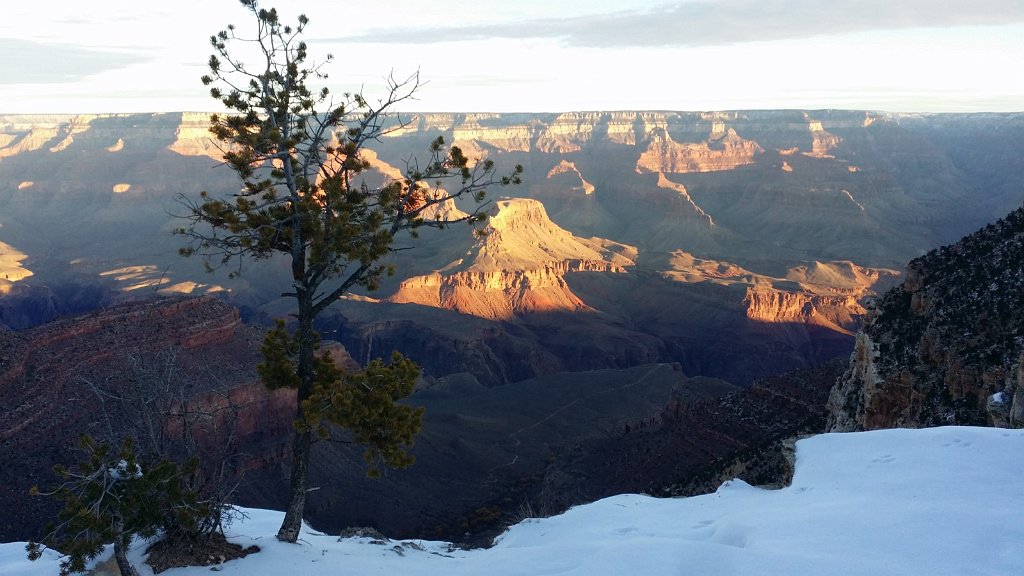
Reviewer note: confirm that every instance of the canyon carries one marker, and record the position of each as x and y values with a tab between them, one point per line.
483	451
654	272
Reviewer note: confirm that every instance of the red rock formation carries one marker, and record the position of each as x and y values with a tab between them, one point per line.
488	129
724	150
517	266
774	306
192	138
827	294
568	132
823	142
502	294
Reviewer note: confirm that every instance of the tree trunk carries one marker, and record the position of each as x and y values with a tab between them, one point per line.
121	556
292	524
302	443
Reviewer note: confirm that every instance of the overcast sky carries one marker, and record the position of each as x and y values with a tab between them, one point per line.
540	55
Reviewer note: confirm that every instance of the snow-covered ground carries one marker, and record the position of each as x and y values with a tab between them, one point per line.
928	502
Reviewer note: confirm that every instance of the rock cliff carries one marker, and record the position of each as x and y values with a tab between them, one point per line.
568	132
743	247
517	266
827	294
724	150
825	185
839	312
20	134
565	167
823	142
489	129
709	139
192	137
945	347
863	187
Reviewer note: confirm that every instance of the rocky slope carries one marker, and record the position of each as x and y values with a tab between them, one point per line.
59	380
695	443
488	453
946	346
11	269
752	187
831	185
827	294
865	182
483	448
25	305
720	210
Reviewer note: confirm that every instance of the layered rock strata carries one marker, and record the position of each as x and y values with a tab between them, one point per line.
517	266
828	294
724	150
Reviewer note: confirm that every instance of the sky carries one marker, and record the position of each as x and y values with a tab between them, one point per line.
539	55
908	502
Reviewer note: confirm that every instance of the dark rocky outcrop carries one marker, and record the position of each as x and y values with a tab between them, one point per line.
484	449
945	347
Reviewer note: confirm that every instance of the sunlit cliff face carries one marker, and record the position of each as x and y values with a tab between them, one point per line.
723	150
192	137
518	266
827	294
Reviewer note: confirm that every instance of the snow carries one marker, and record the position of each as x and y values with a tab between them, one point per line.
934	501
121	471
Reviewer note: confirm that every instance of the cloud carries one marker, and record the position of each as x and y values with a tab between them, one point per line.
30	62
717	22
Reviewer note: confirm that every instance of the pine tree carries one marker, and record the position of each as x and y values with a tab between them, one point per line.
113	497
299	156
